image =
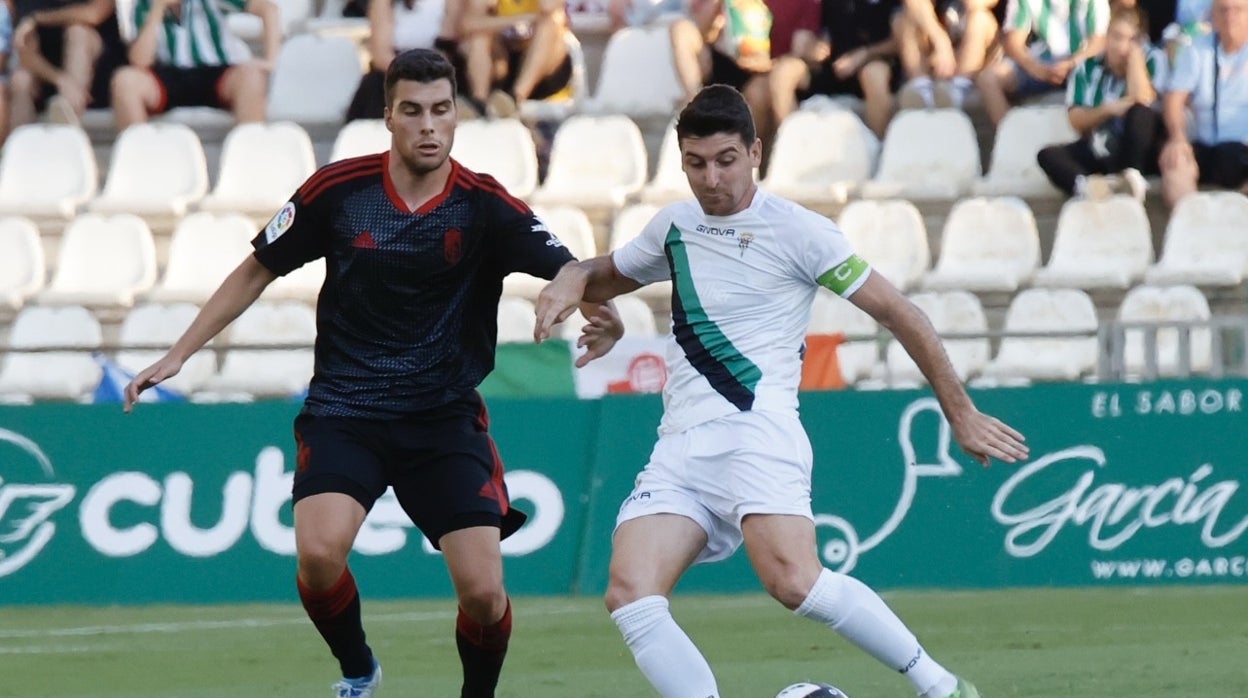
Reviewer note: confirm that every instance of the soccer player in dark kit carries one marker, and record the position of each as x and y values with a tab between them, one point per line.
416	248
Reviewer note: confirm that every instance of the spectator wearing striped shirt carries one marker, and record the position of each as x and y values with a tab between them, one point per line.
1210	77
1110	99
184	56
1067	33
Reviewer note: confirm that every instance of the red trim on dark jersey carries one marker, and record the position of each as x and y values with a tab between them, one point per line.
339	172
473	180
393	193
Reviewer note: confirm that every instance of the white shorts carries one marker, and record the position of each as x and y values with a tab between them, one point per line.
718	472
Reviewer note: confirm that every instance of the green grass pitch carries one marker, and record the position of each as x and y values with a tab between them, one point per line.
1173	642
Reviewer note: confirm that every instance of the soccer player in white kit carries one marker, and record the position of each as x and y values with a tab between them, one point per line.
733	463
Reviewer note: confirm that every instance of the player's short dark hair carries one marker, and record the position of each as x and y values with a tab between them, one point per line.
716	109
421	65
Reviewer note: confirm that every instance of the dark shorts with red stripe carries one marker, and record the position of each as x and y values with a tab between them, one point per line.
442	464
190	87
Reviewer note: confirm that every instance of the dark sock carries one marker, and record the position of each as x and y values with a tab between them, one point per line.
336	614
482	649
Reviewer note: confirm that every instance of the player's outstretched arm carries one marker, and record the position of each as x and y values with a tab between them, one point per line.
239	290
591	281
983	437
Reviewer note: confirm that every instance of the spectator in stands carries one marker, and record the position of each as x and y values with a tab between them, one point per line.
515	50
401	25
1210	76
942	45
182	57
726	42
639	13
66	56
1110	100
1067	33
6	51
857	55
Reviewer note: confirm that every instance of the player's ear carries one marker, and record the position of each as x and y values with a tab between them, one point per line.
386	115
756	152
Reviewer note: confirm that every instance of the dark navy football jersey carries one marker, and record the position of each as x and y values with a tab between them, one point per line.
407	317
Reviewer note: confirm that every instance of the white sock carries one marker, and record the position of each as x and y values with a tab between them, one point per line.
663	651
850	608
924	88
961	87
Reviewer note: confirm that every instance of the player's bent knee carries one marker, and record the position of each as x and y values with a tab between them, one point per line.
789	584
484	603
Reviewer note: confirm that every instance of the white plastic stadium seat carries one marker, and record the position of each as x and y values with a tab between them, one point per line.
634	312
516	320
987	245
54	375
362	137
1206	244
1166	304
1021	135
303	284
832	314
891	236
315	79
47	171
1099	244
669	183
951	312
273	372
204	249
821	156
156	169
261	166
294	15
595	161
637	76
928	154
1053	358
501	148
627	225
104	261
22	267
572	228
154	324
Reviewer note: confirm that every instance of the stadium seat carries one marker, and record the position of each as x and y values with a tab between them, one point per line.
204	249
669	183
279	372
595	161
154	324
1205	242
952	312
261	167
1099	244
516	320
891	236
104	262
502	148
294	16
47	171
572	228
363	137
1166	304
986	245
1021	135
51	375
627	225
1041	310
821	157
634	312
329	21
831	314
314	80
929	154
22	268
302	285
155	170
637	77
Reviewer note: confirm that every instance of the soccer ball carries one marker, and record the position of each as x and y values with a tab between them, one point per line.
811	690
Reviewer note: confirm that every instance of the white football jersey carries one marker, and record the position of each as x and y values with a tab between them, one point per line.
742	290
